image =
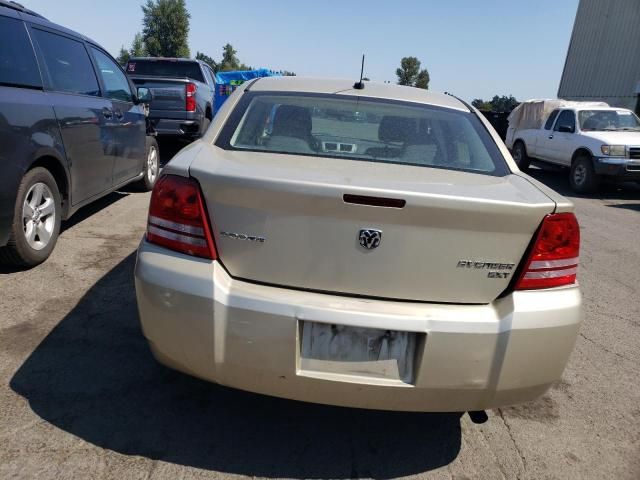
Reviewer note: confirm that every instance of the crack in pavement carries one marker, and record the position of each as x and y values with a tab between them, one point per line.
605	349
513	440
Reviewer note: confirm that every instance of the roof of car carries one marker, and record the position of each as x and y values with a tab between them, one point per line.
18	7
37	19
345	87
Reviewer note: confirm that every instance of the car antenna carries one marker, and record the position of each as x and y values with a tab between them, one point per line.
360	85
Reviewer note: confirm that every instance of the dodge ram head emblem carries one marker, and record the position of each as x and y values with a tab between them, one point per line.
370	238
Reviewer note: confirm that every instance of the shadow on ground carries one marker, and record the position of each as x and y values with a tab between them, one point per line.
78	217
558	179
94	377
95	207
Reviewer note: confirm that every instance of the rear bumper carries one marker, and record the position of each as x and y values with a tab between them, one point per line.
201	321
172	127
619	168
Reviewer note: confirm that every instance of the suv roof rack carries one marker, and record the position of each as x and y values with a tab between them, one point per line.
20	8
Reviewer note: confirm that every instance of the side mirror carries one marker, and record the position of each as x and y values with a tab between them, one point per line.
565	129
144	95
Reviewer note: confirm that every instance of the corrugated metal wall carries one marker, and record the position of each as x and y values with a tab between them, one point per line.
603	61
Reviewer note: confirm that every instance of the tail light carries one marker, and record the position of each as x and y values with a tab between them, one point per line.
190	95
553	260
178	218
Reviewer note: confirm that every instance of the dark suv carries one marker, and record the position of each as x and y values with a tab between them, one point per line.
72	129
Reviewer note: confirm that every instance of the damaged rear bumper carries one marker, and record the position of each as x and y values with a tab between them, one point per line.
350	351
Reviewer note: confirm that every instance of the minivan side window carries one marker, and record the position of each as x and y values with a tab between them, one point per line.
18	66
115	82
68	65
552	117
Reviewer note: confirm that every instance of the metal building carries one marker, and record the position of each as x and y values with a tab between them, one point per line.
603	61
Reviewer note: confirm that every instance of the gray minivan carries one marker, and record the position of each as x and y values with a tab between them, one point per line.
72	129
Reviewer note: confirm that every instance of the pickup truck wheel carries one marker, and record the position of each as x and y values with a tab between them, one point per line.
151	165
583	178
205	126
36	220
520	156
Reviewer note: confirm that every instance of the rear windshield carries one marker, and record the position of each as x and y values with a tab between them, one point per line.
355	128
165	68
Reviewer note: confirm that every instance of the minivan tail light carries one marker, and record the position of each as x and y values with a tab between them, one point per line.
178	219
553	260
190	95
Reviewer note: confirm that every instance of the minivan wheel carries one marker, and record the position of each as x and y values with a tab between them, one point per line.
520	156
36	220
583	178
151	165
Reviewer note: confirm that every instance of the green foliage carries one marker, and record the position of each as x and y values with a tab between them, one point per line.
208	60
497	104
138	48
411	75
504	103
165	29
480	104
123	56
422	80
230	60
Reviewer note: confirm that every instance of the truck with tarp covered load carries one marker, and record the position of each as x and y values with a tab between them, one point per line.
228	82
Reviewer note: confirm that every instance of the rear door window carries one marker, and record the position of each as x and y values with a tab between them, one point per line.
18	66
366	129
115	82
68	67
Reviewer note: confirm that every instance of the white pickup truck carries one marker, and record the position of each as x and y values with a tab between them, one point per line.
592	139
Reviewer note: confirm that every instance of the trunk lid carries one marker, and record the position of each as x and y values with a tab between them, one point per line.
458	238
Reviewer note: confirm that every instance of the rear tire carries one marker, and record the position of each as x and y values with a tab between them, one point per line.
583	178
520	156
151	165
36	220
205	126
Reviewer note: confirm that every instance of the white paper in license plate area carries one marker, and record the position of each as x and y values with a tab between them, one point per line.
355	351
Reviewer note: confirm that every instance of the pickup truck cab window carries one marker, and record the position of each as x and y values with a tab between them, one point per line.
551	119
566	122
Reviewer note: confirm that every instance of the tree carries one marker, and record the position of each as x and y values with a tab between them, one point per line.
408	71
410	74
208	60
503	103
422	80
497	104
166	28
138	48
229	59
480	104
123	56
287	73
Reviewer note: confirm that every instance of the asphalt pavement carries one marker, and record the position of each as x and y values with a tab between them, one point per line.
82	397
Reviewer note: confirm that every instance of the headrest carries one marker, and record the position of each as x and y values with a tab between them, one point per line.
395	129
292	121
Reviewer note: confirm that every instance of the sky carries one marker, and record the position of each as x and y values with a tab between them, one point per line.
472	48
